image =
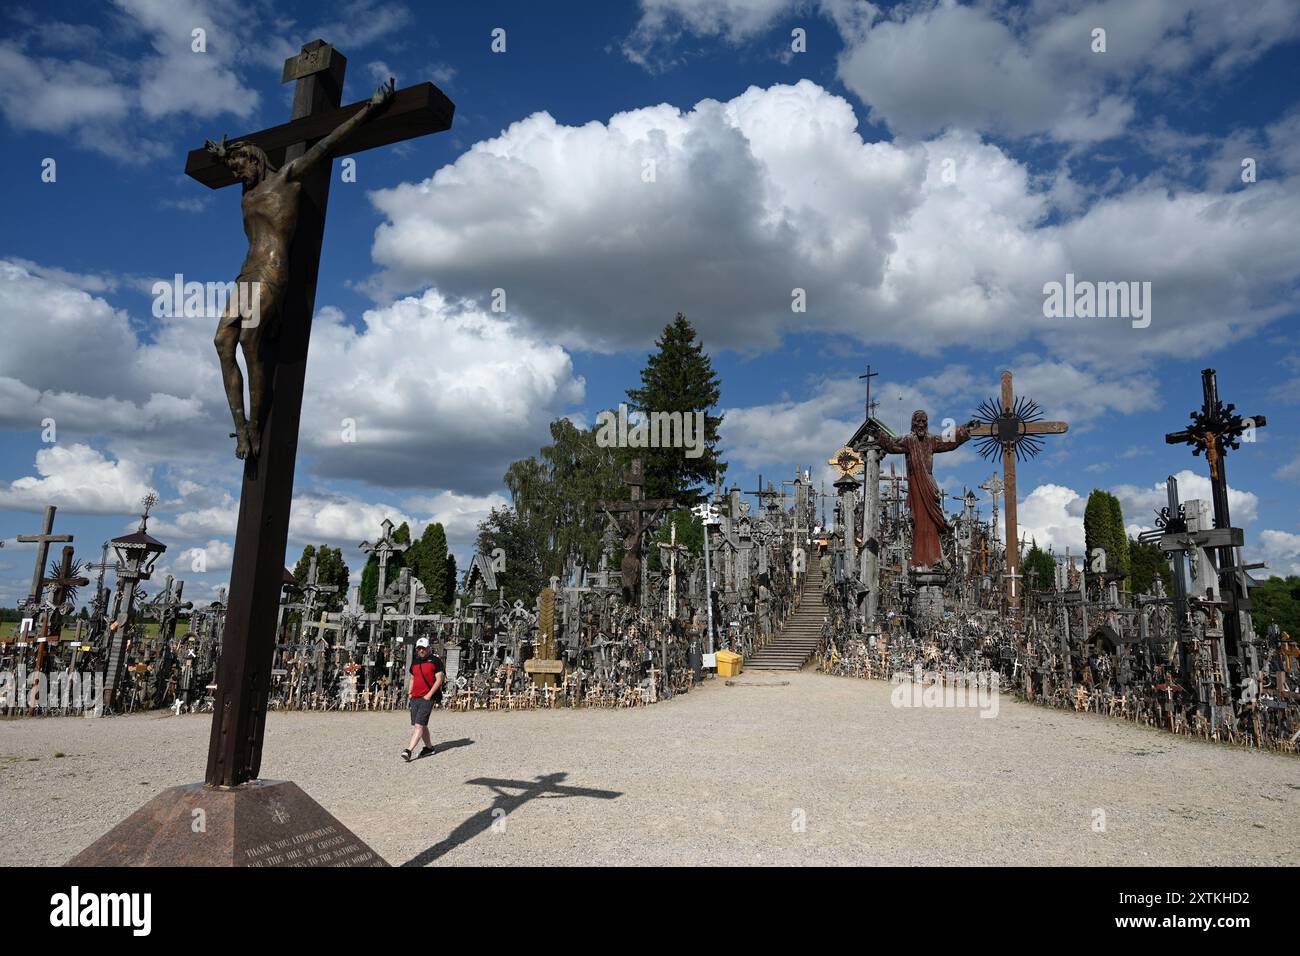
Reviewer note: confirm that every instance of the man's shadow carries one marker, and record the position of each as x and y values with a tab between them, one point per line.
543	788
449	745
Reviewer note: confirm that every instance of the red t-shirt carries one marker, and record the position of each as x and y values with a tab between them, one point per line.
423	674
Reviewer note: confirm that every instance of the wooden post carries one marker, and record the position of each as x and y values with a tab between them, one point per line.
1009	489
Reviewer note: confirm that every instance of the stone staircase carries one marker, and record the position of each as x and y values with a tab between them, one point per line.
790	649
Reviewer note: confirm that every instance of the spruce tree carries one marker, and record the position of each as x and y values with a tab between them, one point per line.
427	559
1043	564
331	569
679	377
450	584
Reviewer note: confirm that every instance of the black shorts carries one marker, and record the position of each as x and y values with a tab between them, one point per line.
420	711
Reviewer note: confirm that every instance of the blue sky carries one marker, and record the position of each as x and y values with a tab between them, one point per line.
919	171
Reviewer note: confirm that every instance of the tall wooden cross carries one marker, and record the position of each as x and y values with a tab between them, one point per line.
239	721
1010	428
42	542
313	589
641	513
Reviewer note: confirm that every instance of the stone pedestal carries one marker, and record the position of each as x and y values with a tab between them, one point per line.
929	592
260	823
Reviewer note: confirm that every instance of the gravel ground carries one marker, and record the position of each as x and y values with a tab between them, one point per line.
722	775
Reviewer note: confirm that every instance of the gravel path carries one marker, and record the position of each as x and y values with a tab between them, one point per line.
721	775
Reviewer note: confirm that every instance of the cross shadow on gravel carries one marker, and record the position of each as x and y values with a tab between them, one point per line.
546	787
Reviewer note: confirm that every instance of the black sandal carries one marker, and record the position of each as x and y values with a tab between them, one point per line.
406	755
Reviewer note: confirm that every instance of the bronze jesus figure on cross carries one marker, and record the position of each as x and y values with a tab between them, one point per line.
286	183
270	207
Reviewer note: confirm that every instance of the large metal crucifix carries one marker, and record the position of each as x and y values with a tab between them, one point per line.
1216	429
1008	430
286	178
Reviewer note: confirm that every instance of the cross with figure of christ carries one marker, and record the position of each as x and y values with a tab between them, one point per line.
239	718
66	580
634	518
1008	429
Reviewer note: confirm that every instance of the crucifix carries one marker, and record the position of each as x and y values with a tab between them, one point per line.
672	549
286	180
42	542
99	607
1215	430
633	523
994	486
166	606
1008	429
312	589
383	550
65	580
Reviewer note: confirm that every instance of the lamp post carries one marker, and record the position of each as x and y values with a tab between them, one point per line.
136	555
709	517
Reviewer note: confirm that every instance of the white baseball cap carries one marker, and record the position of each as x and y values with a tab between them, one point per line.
422	642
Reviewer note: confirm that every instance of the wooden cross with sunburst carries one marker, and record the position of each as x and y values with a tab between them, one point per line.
1008	430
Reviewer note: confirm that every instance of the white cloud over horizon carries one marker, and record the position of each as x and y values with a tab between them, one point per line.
920	245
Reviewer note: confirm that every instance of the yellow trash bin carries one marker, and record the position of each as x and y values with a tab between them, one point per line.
729	664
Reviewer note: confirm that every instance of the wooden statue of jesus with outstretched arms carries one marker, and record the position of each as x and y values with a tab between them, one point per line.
928	519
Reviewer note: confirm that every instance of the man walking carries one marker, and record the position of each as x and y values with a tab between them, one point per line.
427	677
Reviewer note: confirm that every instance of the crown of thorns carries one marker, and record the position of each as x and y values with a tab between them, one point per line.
224	149
219	150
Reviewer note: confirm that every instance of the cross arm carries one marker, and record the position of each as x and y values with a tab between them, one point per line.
325	147
650	504
541	786
38	538
1028	428
412	112
1046	428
